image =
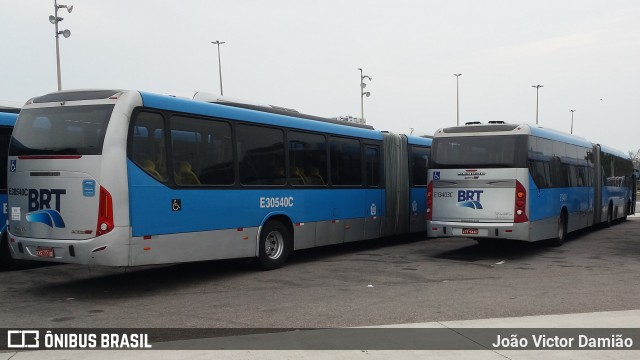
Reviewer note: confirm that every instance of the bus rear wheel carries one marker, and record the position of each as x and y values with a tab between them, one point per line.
274	245
7	262
562	230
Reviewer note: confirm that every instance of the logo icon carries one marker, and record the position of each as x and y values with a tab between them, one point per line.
23	339
470	204
374	209
470	199
13	166
49	217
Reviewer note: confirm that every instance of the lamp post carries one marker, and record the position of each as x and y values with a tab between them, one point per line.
55	19
217	42
537	88
457	100
572	111
362	92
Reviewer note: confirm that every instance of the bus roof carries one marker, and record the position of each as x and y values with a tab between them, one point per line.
512	129
292	120
7	119
614	152
419	140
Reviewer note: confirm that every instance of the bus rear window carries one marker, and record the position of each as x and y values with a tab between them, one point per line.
74	130
480	151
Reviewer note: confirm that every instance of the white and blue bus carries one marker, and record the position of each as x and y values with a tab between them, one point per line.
523	182
8	115
127	178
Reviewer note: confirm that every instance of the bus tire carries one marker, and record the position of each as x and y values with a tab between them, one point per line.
562	229
7	262
274	245
609	221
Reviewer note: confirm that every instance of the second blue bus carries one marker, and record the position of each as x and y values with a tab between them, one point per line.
523	182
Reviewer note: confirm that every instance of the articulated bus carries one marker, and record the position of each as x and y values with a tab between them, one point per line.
8	117
523	182
127	178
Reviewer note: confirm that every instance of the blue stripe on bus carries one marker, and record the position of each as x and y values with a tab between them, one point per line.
416	140
419	198
547	203
8	119
229	112
151	210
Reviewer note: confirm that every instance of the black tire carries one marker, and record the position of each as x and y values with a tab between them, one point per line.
609	221
7	262
562	230
274	245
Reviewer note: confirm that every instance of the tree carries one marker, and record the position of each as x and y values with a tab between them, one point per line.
635	157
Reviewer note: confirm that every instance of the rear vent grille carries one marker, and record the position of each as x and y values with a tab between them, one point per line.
45	173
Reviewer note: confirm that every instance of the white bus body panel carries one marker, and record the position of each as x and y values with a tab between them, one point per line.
476	203
78	208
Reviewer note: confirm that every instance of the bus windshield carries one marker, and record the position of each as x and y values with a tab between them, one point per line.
492	151
77	130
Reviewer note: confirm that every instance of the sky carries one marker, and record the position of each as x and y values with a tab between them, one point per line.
305	54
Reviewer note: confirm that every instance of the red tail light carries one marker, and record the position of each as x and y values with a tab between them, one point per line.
105	213
430	201
520	211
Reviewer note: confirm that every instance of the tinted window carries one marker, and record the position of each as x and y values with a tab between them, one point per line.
419	164
372	165
480	151
202	151
260	155
73	130
557	164
147	147
345	160
307	159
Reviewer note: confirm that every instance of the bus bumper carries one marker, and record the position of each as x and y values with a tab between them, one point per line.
511	231
111	249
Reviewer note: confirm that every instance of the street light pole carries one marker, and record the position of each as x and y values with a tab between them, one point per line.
362	92
217	42
572	120
537	88
457	100
55	19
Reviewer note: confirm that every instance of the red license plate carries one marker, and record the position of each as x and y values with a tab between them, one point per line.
42	251
470	231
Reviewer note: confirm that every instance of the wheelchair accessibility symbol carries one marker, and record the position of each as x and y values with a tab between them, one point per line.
176	204
12	167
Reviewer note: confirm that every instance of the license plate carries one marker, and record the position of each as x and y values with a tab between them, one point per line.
42	251
470	231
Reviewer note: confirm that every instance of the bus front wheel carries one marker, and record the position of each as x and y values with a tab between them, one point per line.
274	245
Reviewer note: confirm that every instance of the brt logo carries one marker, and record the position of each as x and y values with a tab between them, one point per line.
470	198
42	199
40	207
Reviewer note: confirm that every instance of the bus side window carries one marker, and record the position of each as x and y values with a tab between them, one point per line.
202	151
147	144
